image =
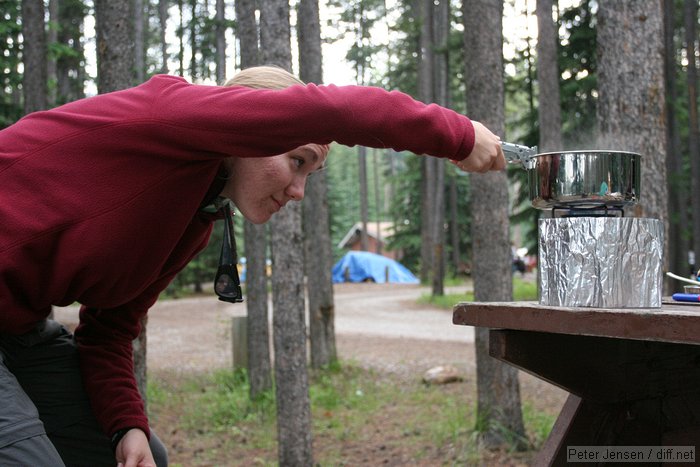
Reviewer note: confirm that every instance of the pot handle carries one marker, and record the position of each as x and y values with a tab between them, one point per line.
518	154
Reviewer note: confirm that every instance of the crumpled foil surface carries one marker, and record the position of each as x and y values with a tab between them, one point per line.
602	262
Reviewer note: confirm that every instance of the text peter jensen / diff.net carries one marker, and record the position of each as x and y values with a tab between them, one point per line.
630	454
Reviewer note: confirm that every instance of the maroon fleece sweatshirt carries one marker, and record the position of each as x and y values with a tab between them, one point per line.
99	198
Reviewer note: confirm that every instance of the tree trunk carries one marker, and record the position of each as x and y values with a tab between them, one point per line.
115	66
690	12
140	345
163	22
181	38
428	164
364	209
194	44
247	33
317	239
220	41
70	72
548	78
377	201
631	104
677	193
51	39
139	42
259	366
498	390
34	55
441	83
291	377
454	229
289	326
115	44
275	34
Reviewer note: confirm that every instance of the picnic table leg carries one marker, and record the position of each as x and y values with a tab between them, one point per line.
580	423
623	392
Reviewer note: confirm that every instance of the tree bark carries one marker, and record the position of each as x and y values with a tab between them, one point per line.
364	208
34	56
548	78
631	103
289	325
291	377
139	42
259	365
220	41
677	192
498	390
194	44
428	164
317	239
115	44
247	33
690	12
454	229
163	22
52	38
181	38
275	34
115	67
441	84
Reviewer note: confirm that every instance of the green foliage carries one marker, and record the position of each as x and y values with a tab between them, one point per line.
406	205
345	401
523	290
357	19
342	169
203	267
404	48
577	63
225	401
538	424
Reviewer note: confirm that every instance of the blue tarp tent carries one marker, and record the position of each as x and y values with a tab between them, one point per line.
359	266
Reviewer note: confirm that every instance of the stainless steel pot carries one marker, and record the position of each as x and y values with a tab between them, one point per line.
585	178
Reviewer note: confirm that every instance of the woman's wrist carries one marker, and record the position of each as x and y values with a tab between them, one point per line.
117	436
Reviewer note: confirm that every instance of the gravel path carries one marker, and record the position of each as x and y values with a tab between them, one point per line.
380	324
377	326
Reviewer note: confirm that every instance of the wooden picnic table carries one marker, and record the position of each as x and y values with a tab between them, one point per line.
633	374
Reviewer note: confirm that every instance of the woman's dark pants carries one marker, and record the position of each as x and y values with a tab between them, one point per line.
45	415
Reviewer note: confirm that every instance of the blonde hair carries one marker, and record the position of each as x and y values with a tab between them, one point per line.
264	77
267	77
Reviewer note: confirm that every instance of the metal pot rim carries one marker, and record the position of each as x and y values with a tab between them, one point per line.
585	152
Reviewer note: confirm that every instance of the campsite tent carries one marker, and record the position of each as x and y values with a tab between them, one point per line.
360	266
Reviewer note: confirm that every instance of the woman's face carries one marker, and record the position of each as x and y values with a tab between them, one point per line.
261	186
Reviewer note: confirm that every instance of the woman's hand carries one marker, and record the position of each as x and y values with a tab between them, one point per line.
487	153
133	450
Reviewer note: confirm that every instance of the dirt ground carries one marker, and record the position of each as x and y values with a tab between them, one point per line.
377	326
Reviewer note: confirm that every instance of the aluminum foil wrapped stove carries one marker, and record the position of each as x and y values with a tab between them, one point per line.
602	262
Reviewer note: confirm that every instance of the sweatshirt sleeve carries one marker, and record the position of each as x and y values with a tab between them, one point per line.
252	122
189	122
104	337
106	359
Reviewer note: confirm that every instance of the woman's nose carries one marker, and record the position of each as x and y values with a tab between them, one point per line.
295	190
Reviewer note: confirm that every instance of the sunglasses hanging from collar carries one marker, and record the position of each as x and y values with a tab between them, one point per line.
227	284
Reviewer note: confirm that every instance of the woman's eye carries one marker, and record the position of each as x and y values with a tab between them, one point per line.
299	162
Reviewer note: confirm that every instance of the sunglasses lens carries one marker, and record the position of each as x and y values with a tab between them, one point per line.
227	286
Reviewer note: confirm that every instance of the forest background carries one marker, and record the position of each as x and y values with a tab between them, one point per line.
442	217
380	43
